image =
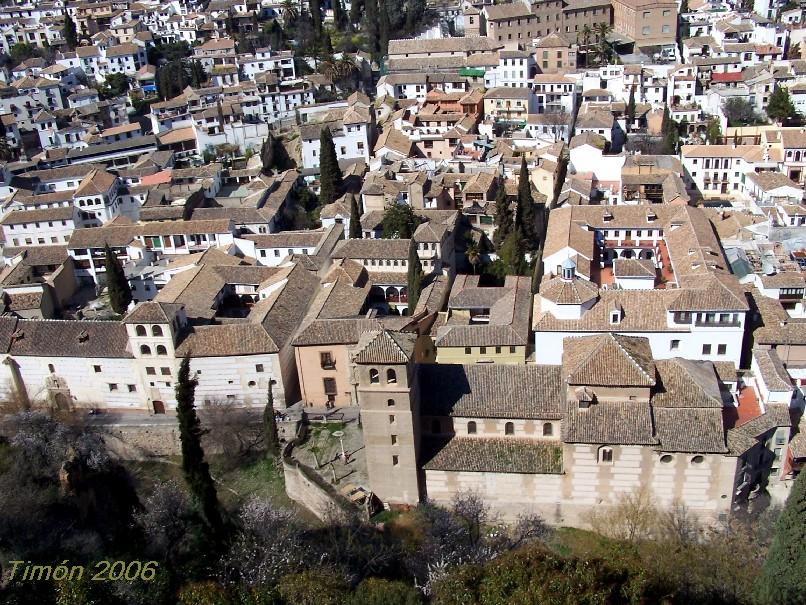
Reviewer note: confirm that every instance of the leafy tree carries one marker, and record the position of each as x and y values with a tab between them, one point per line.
22	51
739	112
415	278
631	108
270	425
503	216
330	177
168	52
313	587
525	212
783	576
267	154
356	10
171	79
399	221
195	468
376	591
120	293
117	84
713	132
780	106
355	218
70	33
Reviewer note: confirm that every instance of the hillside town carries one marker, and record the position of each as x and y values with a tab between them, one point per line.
550	252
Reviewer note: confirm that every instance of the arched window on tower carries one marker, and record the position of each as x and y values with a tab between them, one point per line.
391	376
373	376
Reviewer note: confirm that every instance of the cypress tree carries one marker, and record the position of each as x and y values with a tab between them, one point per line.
267	154
195	468
631	108
339	16
356	10
666	122
330	180
355	218
372	26
384	29
70	32
503	216
783	576
525	212
415	277
120	294
512	253
316	16
270	425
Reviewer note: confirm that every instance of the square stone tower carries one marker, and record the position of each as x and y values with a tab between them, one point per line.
385	381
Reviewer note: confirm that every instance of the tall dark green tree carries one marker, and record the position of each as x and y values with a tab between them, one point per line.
270	425
415	278
267	154
197	74
330	177
783	576
666	121
120	293
631	108
780	106
356	11
70	32
194	466
339	15
384	28
513	253
503	216
525	212
372	26
316	15
355	218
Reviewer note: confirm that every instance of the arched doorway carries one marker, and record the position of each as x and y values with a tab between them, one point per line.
628	253
645	254
159	407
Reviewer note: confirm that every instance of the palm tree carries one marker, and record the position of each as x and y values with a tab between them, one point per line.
586	34
472	253
601	30
347	69
290	12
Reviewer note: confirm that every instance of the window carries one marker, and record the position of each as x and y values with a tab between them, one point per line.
373	376
512	349
395	460
156	330
394	439
151	371
482	350
96	369
497	349
165	371
161	350
391	418
326	360
606	455
471	428
391	377
698	459
674	345
145	350
509	428
706	349
666	458
51	368
140	331
645	30
113	386
329	385
390	403
467	350
259	368
721	349
132	388
548	429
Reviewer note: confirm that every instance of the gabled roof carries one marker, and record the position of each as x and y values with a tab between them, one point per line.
153	312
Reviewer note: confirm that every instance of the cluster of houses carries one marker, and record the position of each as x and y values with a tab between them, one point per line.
658	341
